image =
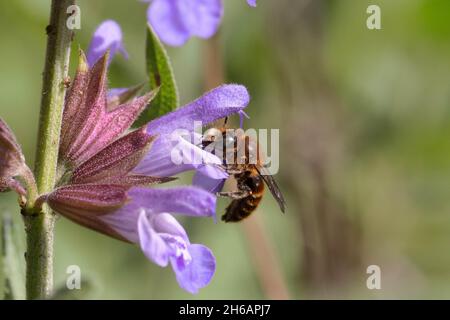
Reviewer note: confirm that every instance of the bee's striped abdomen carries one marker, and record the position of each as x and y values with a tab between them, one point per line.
240	209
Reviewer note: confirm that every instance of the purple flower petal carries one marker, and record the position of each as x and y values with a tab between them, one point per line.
207	182
189	201
199	272
175	21
218	103
107	36
210	171
162	237
161	14
251	3
171	156
202	17
151	243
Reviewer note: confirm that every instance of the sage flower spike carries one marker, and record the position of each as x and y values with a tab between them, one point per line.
110	172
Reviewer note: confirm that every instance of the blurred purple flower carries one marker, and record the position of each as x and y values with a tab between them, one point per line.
107	36
251	3
107	176
176	21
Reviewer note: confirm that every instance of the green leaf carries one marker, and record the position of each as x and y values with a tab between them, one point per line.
159	70
13	262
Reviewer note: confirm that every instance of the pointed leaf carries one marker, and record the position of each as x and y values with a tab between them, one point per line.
160	75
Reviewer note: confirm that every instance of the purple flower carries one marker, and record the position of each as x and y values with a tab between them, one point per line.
176	21
107	36
146	220
141	215
251	3
107	176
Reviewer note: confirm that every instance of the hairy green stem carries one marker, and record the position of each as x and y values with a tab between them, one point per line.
39	226
30	183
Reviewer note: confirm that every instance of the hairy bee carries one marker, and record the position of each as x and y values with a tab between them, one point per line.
243	160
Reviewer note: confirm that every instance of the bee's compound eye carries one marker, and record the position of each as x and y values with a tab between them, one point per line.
211	135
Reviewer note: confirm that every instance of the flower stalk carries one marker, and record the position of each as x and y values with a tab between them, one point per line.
40	225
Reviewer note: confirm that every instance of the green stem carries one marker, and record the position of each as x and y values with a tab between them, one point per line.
39	226
30	184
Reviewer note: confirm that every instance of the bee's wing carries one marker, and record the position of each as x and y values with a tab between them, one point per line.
273	187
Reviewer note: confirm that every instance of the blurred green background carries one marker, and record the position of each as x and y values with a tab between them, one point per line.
364	118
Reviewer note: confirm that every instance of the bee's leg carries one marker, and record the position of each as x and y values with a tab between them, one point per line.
244	191
233	169
234	194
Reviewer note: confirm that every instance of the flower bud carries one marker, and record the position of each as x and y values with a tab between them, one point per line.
12	160
89	124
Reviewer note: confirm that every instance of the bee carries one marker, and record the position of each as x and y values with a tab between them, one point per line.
242	160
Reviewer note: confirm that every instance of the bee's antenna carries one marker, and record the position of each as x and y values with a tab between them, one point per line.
225	121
